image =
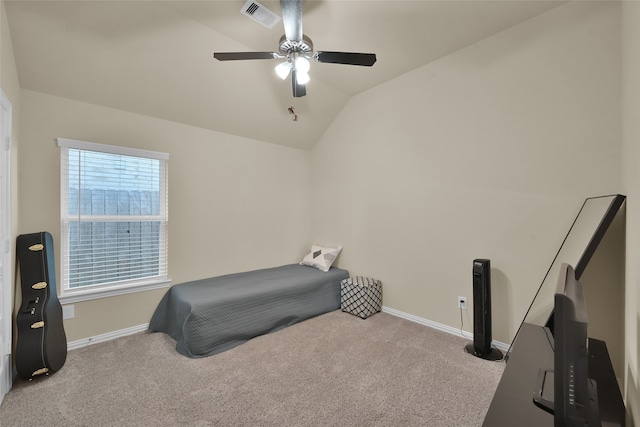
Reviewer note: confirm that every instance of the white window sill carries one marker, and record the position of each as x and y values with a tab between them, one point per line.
88	294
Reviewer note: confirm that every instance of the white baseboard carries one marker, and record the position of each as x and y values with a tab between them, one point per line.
84	342
439	326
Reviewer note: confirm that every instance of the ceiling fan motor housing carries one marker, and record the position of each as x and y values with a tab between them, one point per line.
301	47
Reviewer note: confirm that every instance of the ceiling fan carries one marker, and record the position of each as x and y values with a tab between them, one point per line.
297	49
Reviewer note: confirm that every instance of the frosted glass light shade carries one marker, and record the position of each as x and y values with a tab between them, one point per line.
302	77
282	70
302	65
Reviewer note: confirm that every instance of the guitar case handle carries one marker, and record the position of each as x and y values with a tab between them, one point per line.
29	306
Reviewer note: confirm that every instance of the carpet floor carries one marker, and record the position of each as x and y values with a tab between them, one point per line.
332	370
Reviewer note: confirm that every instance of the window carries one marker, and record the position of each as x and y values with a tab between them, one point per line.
114	220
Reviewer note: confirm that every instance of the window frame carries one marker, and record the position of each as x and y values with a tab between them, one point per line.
70	295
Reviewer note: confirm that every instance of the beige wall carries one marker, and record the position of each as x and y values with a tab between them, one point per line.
8	72
234	204
486	153
631	180
471	156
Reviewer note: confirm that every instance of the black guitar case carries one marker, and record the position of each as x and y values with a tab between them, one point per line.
42	344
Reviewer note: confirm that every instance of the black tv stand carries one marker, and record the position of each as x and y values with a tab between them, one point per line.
513	404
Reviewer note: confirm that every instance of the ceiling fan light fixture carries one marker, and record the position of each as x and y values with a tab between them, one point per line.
302	77
302	65
283	69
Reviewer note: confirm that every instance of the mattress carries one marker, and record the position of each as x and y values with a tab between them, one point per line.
212	315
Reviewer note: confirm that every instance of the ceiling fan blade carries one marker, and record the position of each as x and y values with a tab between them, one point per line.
235	56
348	58
292	19
298	89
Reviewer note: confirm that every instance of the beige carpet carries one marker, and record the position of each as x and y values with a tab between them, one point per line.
332	370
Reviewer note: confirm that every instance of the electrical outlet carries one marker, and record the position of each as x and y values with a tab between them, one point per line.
68	311
462	303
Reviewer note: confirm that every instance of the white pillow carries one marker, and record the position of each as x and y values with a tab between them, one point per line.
321	257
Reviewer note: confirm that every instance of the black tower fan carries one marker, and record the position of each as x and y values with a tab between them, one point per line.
481	346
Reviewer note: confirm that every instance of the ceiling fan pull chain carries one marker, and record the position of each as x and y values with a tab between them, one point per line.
292	111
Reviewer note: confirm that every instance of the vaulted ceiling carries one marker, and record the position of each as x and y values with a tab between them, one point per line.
156	57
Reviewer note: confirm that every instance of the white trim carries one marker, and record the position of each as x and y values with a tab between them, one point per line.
111	149
438	326
84	295
6	274
85	342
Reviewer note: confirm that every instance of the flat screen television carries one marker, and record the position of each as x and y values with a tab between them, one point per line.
567	391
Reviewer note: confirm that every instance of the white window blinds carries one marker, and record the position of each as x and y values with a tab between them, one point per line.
114	216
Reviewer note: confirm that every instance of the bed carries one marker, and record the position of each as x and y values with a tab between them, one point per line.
212	315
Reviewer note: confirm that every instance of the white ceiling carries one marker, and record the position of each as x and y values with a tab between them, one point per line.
156	57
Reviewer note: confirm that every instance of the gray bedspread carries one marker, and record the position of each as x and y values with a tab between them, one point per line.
212	315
